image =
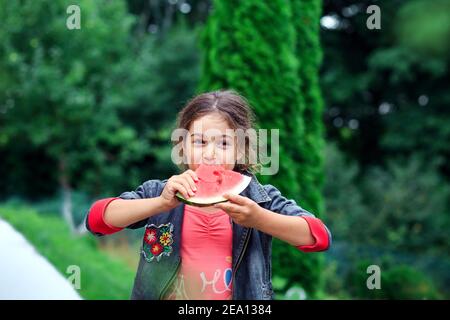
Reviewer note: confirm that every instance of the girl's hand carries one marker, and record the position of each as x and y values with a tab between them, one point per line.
183	183
242	210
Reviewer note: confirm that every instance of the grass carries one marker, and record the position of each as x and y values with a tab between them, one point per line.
102	276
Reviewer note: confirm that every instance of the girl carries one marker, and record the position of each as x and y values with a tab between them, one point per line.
216	252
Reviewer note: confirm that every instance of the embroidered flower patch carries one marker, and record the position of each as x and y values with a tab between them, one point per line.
157	241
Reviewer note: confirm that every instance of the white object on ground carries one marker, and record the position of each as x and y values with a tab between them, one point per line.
25	274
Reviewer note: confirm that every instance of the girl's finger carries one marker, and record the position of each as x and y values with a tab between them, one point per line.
229	207
192	174
236	198
179	187
191	182
183	181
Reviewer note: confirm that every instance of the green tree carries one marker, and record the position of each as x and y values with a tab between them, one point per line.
150	86
386	90
344	202
306	16
54	83
250	46
409	207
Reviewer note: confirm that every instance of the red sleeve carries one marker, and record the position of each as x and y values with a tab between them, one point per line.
96	222
319	233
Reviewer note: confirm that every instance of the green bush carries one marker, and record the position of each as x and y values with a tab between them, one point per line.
408	203
398	282
344	202
102	276
405	282
401	206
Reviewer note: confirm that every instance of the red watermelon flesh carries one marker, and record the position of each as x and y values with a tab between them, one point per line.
214	181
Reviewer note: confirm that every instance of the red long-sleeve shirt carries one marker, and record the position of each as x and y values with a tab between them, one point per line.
96	223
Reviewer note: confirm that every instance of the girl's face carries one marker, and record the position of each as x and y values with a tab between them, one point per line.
210	140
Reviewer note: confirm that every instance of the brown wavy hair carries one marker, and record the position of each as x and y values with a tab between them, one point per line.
233	107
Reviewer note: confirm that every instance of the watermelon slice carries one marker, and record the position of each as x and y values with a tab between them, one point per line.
214	181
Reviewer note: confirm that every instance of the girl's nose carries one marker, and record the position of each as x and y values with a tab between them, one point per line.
209	153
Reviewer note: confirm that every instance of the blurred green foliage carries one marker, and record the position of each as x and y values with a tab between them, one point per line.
397	282
93	110
387	90
397	215
404	206
55	83
88	108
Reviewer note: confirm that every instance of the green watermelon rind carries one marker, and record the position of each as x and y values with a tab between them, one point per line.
197	204
204	202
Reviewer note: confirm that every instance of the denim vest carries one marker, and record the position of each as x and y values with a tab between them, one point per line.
251	248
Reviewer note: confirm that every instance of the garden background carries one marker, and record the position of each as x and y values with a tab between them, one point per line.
363	112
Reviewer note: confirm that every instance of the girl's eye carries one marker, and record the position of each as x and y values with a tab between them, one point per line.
198	141
224	144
